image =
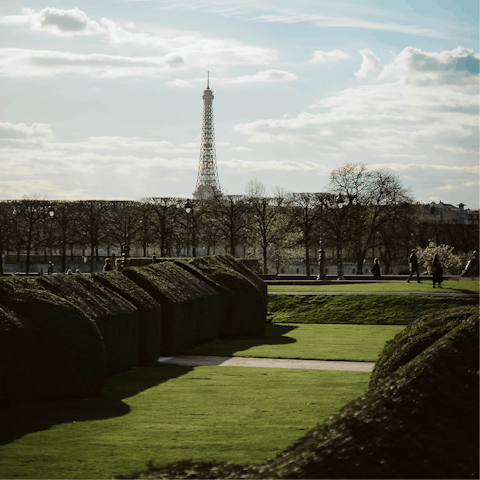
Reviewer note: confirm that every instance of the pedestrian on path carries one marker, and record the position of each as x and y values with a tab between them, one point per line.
437	272
107	267
376	269
413	260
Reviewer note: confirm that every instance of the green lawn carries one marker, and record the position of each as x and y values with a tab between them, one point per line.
361	343
357	309
449	286
169	413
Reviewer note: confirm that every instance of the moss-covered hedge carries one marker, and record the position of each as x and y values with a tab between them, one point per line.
417	337
241	301
149	310
420	421
117	319
16	358
81	327
189	305
68	356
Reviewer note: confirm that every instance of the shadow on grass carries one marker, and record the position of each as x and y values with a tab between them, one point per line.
34	416
275	334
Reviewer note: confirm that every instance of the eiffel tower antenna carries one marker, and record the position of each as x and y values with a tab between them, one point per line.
207	179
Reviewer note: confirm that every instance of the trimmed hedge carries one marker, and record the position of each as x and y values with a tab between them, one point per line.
416	338
68	357
189	304
117	319
421	421
16	358
149	310
242	303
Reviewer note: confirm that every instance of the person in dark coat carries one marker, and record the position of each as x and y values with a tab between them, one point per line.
413	260
376	269
437	272
107	267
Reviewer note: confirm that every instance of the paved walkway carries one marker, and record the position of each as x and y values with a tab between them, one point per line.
198	360
430	294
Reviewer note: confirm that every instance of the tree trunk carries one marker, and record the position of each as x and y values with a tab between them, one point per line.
64	258
307	258
264	254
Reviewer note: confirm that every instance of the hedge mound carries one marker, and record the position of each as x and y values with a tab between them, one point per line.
417	337
149	310
16	357
117	319
68	356
421	421
241	302
189	304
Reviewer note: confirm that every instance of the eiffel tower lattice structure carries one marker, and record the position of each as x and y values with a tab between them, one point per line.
207	179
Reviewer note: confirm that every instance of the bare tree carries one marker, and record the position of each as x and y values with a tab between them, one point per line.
163	214
369	196
228	213
92	224
267	218
304	213
6	228
64	220
30	226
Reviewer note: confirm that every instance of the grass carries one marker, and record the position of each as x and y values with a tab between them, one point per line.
362	343
357	309
449	286
170	413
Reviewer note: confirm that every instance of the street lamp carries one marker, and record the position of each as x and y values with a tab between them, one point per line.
321	250
51	213
189	210
340	201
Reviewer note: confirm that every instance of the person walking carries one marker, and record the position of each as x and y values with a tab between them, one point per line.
437	271
107	267
50	267
376	269
413	260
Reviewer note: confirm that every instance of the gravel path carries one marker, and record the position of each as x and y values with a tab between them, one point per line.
198	360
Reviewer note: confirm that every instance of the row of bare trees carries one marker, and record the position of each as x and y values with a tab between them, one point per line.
363	211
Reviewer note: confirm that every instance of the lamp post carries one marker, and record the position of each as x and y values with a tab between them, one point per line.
340	202
51	213
321	250
189	210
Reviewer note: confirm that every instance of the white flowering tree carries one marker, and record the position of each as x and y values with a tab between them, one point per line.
451	262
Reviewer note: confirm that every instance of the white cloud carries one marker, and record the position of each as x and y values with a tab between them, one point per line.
393	120
370	63
194	48
65	22
413	65
20	131
16	62
56	21
264	76
293	12
276	165
319	56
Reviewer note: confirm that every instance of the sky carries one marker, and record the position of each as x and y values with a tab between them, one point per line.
102	99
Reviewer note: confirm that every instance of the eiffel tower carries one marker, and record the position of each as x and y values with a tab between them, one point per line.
207	179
